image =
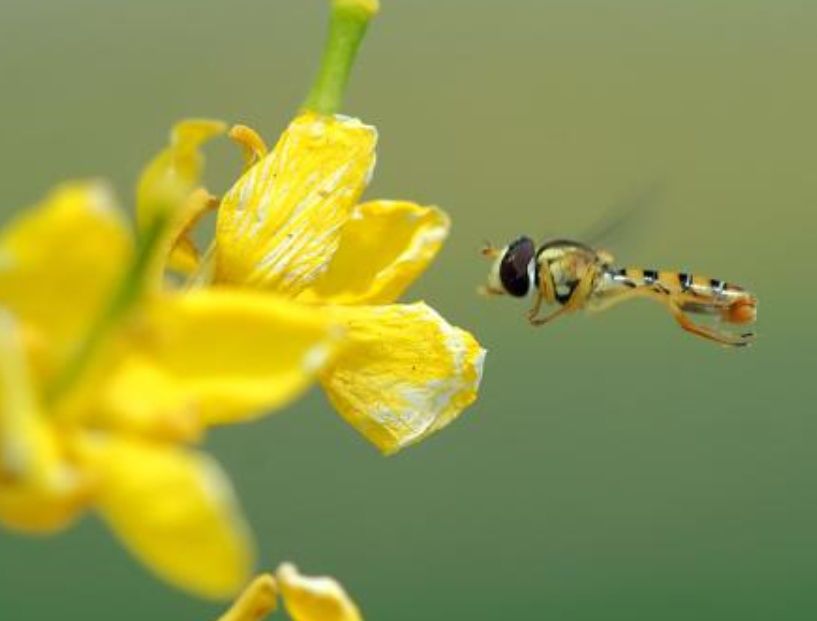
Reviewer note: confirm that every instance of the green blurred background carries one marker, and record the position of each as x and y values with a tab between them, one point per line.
614	467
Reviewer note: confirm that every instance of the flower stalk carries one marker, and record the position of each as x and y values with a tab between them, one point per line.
125	296
348	23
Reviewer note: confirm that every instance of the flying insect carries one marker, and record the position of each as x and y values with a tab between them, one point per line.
574	276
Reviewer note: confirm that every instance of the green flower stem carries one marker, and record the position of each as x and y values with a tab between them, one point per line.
124	298
347	27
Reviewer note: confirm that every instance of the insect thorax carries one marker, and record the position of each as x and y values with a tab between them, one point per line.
563	263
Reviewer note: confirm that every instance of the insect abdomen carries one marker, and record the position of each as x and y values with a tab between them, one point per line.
635	277
692	292
666	281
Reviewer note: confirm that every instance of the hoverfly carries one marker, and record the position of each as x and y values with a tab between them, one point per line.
576	276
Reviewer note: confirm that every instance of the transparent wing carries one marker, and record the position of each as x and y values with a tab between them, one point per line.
617	221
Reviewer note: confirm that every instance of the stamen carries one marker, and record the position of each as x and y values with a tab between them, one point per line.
252	145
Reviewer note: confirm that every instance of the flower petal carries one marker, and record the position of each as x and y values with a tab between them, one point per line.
279	225
256	601
223	354
40	491
175	171
309	598
175	510
139	398
181	251
384	247
405	373
59	263
168	185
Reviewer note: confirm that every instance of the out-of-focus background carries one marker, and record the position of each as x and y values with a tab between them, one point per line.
614	467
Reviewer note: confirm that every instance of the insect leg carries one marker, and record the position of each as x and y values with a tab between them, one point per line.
543	320
537	305
576	300
613	297
724	338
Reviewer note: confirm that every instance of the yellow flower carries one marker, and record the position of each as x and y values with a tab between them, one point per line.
100	393
109	371
292	226
305	598
97	414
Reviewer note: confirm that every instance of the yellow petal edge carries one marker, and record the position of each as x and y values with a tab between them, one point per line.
384	247
59	263
308	598
256	601
40	491
175	510
404	374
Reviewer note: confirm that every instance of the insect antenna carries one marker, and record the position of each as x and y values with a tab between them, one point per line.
489	250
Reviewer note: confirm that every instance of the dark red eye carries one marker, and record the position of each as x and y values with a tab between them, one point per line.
513	270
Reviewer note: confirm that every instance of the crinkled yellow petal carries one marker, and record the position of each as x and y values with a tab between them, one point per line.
384	247
403	374
224	354
309	598
59	263
279	225
174	509
256	601
40	491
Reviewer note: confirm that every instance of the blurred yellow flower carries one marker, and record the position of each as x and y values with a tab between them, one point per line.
103	387
292	226
305	598
109	370
89	421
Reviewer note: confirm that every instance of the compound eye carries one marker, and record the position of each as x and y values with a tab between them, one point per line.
513	270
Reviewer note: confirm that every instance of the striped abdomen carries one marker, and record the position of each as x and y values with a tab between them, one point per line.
692	293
